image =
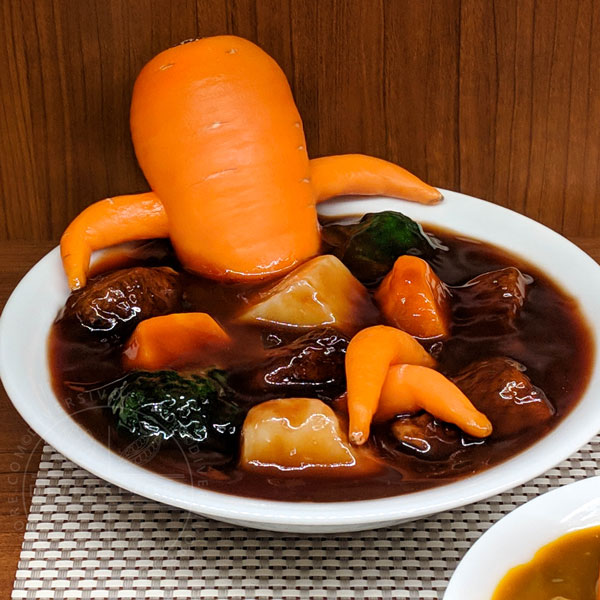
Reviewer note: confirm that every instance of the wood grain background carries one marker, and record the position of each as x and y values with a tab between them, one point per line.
497	99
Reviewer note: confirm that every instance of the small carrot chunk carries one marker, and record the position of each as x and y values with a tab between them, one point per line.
414	299
176	339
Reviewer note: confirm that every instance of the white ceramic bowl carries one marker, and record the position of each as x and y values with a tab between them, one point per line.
35	302
518	536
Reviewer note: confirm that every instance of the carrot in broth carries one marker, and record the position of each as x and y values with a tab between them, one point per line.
368	358
412	298
220	141
410	388
180	338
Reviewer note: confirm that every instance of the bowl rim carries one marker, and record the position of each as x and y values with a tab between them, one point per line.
536	523
541	456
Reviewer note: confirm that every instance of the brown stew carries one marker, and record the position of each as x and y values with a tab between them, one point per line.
546	339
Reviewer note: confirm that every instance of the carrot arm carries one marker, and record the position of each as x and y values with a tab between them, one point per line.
409	388
366	175
368	358
108	222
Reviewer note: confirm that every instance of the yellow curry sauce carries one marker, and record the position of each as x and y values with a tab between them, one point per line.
565	569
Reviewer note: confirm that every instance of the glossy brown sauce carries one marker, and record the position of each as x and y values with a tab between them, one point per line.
551	340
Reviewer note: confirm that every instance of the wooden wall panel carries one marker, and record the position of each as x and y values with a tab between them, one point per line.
421	88
499	99
529	119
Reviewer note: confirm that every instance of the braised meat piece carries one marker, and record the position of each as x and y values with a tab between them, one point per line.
425	437
494	298
499	388
313	365
116	302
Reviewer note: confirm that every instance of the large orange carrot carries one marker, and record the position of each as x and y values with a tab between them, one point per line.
108	222
368	358
219	138
413	298
366	175
409	388
180	339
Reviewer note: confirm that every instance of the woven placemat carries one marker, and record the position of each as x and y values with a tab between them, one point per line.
88	539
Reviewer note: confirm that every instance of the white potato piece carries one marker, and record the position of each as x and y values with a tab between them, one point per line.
299	434
322	291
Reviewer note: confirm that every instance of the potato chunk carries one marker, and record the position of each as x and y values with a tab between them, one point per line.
322	291
297	434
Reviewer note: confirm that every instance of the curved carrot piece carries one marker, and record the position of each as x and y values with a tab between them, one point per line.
413	298
106	223
368	358
220	140
366	175
179	338
409	388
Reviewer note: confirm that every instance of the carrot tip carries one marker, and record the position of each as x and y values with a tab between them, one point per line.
479	428
435	199
358	438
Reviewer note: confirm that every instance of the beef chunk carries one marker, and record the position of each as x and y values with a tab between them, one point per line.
425	437
116	302
313	365
493	298
499	388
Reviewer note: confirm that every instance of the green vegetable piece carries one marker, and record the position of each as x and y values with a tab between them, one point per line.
370	247
192	410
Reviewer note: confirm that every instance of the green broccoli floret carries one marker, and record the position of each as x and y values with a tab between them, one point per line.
192	409
370	247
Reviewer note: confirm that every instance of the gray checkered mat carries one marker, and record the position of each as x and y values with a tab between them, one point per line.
88	539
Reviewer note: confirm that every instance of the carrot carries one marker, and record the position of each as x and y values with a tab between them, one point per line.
180	338
219	138
366	175
368	358
106	223
410	388
413	298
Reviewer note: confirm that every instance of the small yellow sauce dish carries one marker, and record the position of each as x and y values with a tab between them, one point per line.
547	549
566	568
